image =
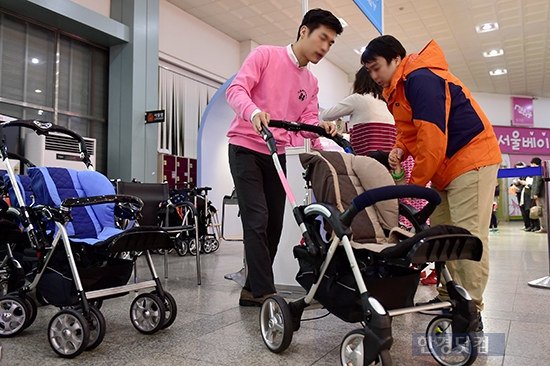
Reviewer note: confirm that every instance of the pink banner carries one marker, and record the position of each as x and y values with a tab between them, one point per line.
522	111
517	140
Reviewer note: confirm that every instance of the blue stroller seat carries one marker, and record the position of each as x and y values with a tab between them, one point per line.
24	183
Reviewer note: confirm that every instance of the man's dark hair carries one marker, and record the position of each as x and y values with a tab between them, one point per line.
536	161
317	17
385	46
364	84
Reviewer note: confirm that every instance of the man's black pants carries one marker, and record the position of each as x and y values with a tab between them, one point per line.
261	202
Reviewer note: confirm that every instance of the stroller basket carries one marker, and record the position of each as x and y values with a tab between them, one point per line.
57	285
393	286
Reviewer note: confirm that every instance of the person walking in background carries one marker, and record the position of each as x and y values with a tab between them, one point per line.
452	142
372	125
493	227
538	193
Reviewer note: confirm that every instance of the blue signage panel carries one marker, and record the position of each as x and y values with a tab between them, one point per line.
373	10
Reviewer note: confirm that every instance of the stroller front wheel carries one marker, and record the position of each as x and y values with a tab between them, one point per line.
351	350
68	333
276	324
31	305
147	313
446	347
14	315
97	327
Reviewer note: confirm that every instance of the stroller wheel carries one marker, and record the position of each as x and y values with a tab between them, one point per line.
276	324
170	307
351	350
14	313
31	306
181	246
448	349
4	287
207	245
192	247
215	244
68	333
97	327
147	313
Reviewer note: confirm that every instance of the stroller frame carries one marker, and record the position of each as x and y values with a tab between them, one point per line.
86	315
279	319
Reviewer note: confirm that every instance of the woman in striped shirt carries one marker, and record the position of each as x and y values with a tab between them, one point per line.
372	125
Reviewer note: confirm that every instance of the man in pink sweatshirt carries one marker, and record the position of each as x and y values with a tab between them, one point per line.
272	83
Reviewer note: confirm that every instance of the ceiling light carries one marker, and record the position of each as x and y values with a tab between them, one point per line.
38	91
34	60
343	22
487	27
497	72
494	53
360	51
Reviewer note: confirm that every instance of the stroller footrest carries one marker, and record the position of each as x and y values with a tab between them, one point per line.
120	289
139	239
443	248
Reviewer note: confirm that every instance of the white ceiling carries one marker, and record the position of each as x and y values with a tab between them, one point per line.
523	34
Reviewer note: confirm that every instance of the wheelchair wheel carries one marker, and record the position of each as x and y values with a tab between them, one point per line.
147	313
439	339
31	306
68	333
181	246
97	327
171	309
14	313
276	324
351	350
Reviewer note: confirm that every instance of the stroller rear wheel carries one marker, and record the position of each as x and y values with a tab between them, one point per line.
97	326
215	245
68	333
14	313
193	247
351	350
449	349
4	287
276	324
147	313
171	309
31	306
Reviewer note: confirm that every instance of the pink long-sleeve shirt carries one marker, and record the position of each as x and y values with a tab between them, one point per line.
272	82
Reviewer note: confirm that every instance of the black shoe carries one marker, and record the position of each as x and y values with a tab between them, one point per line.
480	325
435	300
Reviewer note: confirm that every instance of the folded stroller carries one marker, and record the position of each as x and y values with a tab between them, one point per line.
73	229
362	271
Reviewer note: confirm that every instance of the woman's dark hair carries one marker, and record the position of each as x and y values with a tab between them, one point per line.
536	161
364	84
385	46
317	17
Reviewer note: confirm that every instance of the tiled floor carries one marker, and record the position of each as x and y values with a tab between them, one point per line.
211	329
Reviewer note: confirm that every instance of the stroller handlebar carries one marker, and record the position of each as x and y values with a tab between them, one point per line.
296	127
43	128
372	196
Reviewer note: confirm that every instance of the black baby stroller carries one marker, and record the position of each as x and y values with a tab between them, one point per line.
336	273
80	251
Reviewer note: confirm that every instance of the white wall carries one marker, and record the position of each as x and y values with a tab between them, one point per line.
498	109
193	44
102	7
333	83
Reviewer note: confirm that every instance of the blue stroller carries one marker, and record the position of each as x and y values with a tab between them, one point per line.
82	254
335	273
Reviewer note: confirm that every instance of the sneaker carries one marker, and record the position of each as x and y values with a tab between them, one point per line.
541	231
435	300
430	280
495	231
247	299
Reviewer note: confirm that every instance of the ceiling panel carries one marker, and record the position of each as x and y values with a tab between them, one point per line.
522	34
